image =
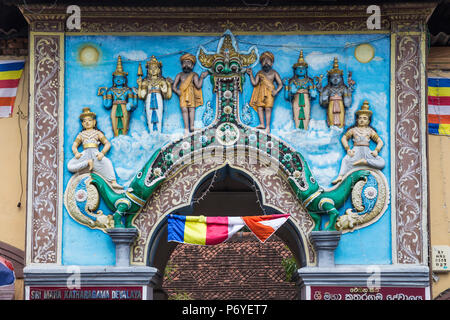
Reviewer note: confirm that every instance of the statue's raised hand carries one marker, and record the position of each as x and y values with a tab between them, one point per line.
204	74
351	83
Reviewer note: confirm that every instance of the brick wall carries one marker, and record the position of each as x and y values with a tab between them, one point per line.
14	47
241	268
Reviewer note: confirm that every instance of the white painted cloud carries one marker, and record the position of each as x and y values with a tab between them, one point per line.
330	160
135	150
318	139
133	55
324	176
318	60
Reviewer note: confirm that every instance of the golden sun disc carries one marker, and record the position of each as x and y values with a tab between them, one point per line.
88	55
364	53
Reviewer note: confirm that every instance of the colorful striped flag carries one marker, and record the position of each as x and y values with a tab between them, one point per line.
10	73
439	105
214	230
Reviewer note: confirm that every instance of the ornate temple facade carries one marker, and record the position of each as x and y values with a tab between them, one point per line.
136	113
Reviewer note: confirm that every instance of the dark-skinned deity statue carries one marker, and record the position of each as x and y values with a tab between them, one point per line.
188	86
264	91
336	96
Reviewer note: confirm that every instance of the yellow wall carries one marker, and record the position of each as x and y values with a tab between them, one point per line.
12	218
439	180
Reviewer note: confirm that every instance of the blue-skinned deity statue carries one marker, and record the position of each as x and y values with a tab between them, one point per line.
299	90
121	99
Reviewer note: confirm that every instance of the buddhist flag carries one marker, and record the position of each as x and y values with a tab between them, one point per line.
214	230
439	105
264	226
10	73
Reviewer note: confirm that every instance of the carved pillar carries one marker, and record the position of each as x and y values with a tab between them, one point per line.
122	238
45	147
409	145
325	243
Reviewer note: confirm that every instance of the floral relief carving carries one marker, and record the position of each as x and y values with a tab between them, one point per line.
45	150
409	207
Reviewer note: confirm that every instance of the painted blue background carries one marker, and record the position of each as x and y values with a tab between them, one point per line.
320	145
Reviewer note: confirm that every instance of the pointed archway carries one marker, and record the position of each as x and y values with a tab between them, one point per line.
178	191
232	192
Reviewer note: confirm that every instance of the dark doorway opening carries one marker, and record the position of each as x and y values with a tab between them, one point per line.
240	268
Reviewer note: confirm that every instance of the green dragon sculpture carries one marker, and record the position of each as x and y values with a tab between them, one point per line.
318	201
127	204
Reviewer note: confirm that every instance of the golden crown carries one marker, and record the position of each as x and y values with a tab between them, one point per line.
364	109
119	69
335	69
87	113
301	62
153	61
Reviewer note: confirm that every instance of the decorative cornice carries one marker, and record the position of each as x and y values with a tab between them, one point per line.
217	19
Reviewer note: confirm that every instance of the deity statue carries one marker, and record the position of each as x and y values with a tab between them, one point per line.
120	98
336	95
360	154
264	93
153	89
299	90
91	158
188	86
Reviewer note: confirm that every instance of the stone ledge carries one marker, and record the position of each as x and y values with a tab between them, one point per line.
91	275
358	275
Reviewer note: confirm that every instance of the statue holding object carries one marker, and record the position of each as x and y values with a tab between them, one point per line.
153	89
360	154
264	93
299	90
121	99
91	158
188	86
336	95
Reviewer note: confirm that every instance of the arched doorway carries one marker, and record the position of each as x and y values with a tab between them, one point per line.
227	192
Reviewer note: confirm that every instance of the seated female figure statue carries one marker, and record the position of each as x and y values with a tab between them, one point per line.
90	138
360	154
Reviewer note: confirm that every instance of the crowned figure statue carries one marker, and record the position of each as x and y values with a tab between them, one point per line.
336	95
91	158
153	89
299	90
120	98
361	154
